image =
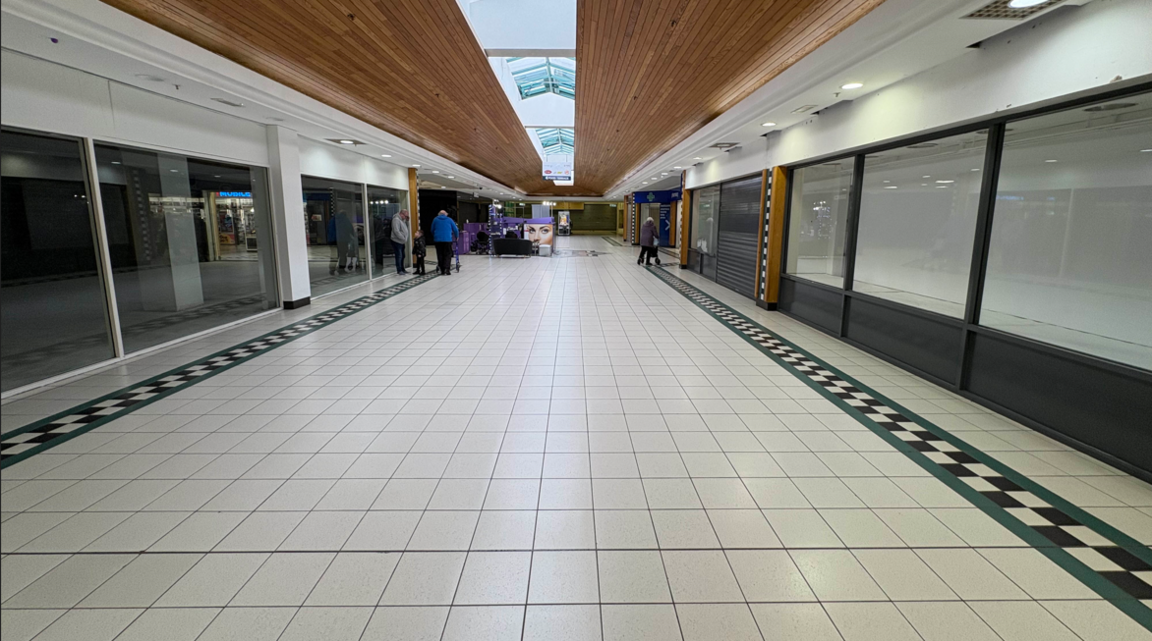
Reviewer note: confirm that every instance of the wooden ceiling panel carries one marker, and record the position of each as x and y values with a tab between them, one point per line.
410	67
652	72
649	72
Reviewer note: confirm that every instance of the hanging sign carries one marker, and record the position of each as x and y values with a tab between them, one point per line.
558	170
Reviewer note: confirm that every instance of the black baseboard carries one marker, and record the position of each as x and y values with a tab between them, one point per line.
298	303
766	305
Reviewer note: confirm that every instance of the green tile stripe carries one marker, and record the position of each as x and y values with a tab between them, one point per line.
1134	608
184	376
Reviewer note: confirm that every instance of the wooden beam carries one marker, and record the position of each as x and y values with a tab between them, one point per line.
776	217
760	227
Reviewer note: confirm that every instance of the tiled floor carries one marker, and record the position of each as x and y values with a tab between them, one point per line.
554	449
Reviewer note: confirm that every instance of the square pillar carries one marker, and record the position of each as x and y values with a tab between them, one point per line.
288	217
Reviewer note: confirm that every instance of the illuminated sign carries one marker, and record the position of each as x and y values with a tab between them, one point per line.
235	194
558	170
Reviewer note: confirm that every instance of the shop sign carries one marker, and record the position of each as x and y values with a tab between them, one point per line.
558	170
235	194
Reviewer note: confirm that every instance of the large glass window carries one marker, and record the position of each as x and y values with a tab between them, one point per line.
705	226
818	221
383	204
334	219
1070	261
190	242
917	222
52	301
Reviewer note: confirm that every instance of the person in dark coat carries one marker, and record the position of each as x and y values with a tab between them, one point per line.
419	251
648	243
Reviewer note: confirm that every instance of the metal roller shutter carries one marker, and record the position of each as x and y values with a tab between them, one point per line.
738	235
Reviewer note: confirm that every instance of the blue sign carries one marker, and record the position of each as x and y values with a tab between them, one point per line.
667	196
235	194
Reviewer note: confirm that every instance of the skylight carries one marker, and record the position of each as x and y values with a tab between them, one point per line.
536	76
556	140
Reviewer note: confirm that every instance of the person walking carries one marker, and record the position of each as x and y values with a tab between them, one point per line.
648	243
419	251
444	233
400	238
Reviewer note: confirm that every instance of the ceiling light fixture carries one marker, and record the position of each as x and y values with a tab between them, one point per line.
681	167
230	103
945	182
768	124
1024	4
852	85
385	155
435	171
415	165
1145	151
149	77
347	142
891	187
697	158
1051	160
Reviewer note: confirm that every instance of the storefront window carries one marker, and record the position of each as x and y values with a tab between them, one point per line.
190	242
818	221
334	220
705	215
917	222
52	301
383	204
1069	261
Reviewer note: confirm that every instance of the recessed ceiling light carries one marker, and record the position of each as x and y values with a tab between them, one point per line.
175	171
767	124
1142	150
663	173
925	176
347	142
443	187
941	186
1112	106
852	85
435	171
945	182
415	165
974	169
149	77
891	187
230	103
115	162
385	155
1024	4
451	176
1051	160
697	158
644	182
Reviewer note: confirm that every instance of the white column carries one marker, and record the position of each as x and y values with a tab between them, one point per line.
288	216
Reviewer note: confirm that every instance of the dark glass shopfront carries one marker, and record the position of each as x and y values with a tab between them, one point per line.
1008	261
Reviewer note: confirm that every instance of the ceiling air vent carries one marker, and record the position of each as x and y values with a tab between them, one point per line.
803	109
725	145
1011	9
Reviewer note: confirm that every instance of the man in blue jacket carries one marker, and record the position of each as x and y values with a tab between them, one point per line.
444	233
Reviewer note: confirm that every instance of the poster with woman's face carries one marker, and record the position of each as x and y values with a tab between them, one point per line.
541	233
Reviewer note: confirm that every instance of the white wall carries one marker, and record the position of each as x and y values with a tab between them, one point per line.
1067	53
524	27
323	160
45	96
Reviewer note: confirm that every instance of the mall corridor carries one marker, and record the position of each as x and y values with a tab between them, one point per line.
576	320
579	448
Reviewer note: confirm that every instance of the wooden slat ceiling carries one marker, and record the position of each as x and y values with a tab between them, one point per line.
649	73
410	67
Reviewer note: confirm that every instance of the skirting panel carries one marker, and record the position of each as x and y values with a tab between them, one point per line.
1095	405
814	304
927	344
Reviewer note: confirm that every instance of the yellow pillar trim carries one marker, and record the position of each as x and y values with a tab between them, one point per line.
776	233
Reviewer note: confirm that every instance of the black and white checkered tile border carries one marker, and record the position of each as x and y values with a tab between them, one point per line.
1115	563
54	430
764	240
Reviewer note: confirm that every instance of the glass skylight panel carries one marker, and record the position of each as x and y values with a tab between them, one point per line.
556	140
536	76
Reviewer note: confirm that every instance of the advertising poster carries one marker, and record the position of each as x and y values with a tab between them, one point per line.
539	230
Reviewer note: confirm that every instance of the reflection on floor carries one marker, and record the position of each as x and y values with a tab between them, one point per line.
541	449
